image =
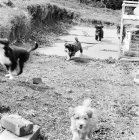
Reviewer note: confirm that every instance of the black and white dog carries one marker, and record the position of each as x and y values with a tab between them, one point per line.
11	57
72	48
99	33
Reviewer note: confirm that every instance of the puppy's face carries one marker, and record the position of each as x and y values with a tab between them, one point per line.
80	118
98	28
67	45
68	48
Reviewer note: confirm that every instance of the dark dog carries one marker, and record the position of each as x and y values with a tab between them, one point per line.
72	48
11	57
123	34
99	33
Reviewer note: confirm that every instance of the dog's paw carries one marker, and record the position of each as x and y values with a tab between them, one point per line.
11	77
68	59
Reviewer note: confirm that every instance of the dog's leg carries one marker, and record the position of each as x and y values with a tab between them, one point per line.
72	54
75	135
21	65
89	135
100	38
68	53
11	76
96	37
81	50
68	58
7	67
9	72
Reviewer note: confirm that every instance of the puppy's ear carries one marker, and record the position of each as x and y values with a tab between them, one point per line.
89	113
71	111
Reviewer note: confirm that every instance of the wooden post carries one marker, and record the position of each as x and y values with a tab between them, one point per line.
121	30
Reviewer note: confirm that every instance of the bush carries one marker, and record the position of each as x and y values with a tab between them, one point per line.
130	54
15	24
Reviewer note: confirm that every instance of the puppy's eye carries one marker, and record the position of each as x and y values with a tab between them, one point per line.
85	118
77	118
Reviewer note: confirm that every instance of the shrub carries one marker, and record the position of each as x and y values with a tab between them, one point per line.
14	23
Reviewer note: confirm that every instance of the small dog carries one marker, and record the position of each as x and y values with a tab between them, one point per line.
83	120
99	33
11	57
123	34
72	48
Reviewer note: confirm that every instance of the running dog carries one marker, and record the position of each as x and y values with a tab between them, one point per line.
72	48
83	120
11	57
99	33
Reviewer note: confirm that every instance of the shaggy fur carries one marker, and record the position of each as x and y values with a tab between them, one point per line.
11	57
72	48
99	32
83	120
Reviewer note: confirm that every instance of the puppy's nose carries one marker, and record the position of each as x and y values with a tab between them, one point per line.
81	126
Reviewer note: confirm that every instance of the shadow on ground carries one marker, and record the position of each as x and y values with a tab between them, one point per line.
84	59
108	41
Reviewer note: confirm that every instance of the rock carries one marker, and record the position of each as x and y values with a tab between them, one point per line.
37	80
17	125
7	135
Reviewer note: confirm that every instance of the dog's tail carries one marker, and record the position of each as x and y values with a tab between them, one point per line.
87	102
34	48
76	39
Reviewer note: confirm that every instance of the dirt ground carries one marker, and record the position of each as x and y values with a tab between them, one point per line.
68	83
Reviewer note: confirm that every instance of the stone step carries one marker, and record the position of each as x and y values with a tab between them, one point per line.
17	125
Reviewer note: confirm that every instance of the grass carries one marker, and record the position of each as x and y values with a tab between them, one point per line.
68	83
92	14
23	17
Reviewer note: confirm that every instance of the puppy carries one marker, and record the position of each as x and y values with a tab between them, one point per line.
123	34
11	57
99	32
72	48
83	120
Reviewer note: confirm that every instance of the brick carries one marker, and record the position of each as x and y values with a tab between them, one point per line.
37	80
7	135
17	125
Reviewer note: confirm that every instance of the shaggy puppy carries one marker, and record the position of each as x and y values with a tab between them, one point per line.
99	32
83	120
11	57
123	34
72	48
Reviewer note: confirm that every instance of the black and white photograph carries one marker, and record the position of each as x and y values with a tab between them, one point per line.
69	69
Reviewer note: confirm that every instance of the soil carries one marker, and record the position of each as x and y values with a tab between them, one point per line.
67	83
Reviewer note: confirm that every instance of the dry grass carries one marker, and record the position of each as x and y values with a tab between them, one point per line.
89	13
67	83
14	23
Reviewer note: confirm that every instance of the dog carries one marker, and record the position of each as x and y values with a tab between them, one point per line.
11	57
72	48
123	34
99	33
83	120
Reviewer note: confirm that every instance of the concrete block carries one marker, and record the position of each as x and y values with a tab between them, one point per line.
17	125
7	135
